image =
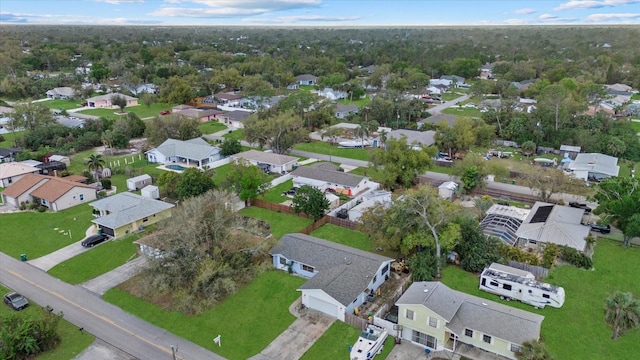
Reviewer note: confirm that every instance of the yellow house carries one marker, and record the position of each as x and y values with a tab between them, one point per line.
439	318
124	213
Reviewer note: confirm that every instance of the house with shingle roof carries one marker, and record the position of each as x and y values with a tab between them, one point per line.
417	139
234	118
124	213
307	79
192	152
275	163
104	101
594	166
9	154
342	110
439	318
323	178
340	277
548	223
13	171
53	192
61	93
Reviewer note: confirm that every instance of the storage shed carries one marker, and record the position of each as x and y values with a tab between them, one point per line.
150	192
138	182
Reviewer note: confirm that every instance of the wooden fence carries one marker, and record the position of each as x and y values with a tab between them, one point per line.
277	207
538	271
345	223
353	320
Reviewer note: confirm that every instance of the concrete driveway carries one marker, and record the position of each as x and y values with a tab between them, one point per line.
45	263
115	277
298	337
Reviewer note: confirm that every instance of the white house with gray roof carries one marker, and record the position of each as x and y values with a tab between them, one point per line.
594	166
548	223
195	152
276	163
324	178
417	139
437	317
340	277
124	213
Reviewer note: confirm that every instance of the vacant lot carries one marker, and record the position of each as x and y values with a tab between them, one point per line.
142	111
248	321
281	223
62	104
274	194
335	342
211	127
236	134
322	147
578	330
344	236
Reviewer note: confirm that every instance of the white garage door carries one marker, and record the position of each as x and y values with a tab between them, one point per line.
321	305
10	200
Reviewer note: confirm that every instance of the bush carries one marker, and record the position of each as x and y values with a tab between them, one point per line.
23	206
33	205
106	183
575	257
42	208
549	255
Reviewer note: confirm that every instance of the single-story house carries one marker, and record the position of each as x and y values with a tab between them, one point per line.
416	139
123	213
234	118
307	79
340	277
342	110
8	154
230	98
12	171
443	82
594	166
144	88
524	84
70	122
323	178
333	95
276	163
259	102
439	318
568	151
55	193
434	119
294	86
61	158
455	79
61	93
503	221
195	151
104	101
369	200
548	223
202	115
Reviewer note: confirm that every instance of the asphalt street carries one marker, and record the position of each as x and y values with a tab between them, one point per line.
105	321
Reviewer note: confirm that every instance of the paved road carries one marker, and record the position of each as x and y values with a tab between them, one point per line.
438	108
107	322
115	277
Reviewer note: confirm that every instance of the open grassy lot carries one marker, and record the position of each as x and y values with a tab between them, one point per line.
274	194
236	134
371	172
359	102
34	233
344	236
211	127
8	139
248	321
322	147
220	174
71	343
97	261
462	111
62	104
334	343
143	111
635	125
281	223
578	330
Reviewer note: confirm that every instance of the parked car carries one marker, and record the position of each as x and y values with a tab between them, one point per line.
16	301
165	112
343	214
577	205
604	229
94	240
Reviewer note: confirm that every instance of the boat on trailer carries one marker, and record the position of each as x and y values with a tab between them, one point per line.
354	144
369	343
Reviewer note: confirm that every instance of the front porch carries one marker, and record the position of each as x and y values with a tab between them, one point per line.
456	347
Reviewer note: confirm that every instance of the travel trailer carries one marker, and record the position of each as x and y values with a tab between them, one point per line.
511	283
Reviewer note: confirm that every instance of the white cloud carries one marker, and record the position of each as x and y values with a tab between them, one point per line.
593	4
231	8
525	11
118	2
612	17
547	17
516	22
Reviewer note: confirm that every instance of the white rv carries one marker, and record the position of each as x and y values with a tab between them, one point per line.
511	283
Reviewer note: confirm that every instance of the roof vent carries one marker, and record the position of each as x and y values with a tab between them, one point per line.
485	304
426	290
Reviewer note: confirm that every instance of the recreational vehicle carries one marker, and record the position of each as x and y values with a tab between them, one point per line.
511	283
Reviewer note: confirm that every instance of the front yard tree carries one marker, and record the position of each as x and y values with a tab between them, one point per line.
623	312
230	147
549	181
399	164
95	163
119	101
29	115
474	169
194	182
248	181
311	201
619	197
176	91
280	132
528	147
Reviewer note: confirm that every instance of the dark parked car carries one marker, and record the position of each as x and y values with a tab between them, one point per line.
16	301
578	205
343	214
94	240
605	229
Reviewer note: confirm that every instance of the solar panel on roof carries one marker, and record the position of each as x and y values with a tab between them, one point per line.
541	214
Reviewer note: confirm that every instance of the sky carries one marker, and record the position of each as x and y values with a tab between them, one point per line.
346	13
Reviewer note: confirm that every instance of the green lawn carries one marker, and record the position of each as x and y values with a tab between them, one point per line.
71	343
344	236
143	111
635	125
97	261
8	139
236	134
281	223
577	330
321	147
220	174
274	194
335	342
625	169
359	102
248	321
468	112
211	127
62	104
33	233
449	96
371	172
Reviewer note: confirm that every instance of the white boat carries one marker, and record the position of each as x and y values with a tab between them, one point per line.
369	344
354	143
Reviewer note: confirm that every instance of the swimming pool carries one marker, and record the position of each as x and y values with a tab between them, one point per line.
176	167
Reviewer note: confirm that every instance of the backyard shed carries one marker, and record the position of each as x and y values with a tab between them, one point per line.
150	192
138	182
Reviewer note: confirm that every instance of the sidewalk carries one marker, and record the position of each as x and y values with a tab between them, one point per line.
115	277
45	263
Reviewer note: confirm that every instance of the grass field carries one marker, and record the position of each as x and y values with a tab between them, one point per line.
211	127
468	112
371	172
220	174
635	125
248	321
97	261
143	111
71	344
344	236
236	134
578	330
335	342
33	233
321	147
62	104
359	102
274	194
281	223
8	139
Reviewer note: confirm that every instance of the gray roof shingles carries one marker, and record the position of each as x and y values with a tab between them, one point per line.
335	177
343	272
125	208
196	148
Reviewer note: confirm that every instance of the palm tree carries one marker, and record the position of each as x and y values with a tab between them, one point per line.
482	205
623	312
95	163
533	350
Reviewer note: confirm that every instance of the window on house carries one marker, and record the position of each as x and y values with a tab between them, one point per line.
486	338
546	296
283	261
81	197
307	268
533	242
145	219
409	314
424	339
515	348
385	269
375	278
506	287
433	322
468	332
9	180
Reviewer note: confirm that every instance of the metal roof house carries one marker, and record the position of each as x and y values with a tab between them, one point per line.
594	167
434	316
323	179
340	277
503	221
193	152
548	223
276	163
